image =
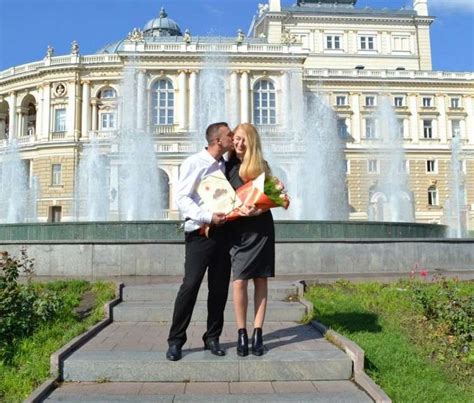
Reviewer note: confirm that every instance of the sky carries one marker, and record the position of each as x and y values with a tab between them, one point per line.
27	27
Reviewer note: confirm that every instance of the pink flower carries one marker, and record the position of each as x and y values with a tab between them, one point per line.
423	273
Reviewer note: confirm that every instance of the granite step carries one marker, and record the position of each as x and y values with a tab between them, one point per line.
149	311
201	366
297	391
277	291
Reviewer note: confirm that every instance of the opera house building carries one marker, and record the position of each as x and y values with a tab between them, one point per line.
344	97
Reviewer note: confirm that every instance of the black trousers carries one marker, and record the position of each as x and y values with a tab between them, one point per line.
203	253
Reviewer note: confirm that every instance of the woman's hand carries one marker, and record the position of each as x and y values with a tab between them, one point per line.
249	210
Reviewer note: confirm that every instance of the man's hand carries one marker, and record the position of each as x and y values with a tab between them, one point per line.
249	210
218	218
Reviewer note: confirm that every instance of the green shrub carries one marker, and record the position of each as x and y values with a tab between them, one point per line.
23	307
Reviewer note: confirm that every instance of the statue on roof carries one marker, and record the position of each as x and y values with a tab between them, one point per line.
240	37
74	48
288	38
49	52
187	36
136	35
262	8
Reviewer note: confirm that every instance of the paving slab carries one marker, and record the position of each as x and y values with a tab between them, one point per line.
277	291
150	311
213	392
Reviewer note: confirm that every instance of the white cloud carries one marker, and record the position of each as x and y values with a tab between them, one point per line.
452	5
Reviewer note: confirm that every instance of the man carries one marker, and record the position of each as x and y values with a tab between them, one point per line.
202	252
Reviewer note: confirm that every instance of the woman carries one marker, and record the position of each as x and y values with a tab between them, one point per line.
253	239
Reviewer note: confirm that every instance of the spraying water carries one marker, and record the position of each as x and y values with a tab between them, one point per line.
17	197
395	201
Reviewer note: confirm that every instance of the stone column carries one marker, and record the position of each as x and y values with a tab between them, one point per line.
141	101
286	100
46	120
442	126
12	116
86	110
71	109
356	126
39	113
469	128
3	117
244	98
183	100
234	99
412	104
21	124
94	115
192	101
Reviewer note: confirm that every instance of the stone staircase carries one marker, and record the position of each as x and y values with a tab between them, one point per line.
126	360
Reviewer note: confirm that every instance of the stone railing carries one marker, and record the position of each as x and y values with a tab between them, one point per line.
175	148
377	74
165	129
57	136
103	134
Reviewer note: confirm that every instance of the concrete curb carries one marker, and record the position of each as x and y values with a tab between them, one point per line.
357	356
58	357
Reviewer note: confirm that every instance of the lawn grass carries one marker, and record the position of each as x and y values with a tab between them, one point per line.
399	343
29	365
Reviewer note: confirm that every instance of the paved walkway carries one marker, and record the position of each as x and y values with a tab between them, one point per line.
126	360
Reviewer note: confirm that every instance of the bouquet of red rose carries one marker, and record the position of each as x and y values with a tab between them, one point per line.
263	193
218	195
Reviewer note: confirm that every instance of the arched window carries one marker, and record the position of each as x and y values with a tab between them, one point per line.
163	102
432	196
264	103
108	93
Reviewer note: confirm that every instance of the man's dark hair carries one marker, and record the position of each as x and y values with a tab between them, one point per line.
213	130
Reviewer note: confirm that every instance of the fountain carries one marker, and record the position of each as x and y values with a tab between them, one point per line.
453	209
18	192
391	199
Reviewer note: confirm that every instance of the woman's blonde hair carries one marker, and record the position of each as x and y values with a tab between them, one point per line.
253	163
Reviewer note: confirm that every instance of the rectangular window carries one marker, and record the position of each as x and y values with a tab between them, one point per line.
455	128
333	42
427	129
55	214
432	196
107	121
367	43
398	102
427	102
56	175
455	103
342	128
60	120
370	100
401	129
401	43
372	166
370	128
341	100
431	166
403	167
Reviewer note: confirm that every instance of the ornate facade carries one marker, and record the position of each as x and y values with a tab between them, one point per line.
355	57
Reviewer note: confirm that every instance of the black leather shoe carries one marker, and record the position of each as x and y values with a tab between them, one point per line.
214	347
257	342
174	353
242	343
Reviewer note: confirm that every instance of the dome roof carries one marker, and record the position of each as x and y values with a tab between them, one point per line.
162	26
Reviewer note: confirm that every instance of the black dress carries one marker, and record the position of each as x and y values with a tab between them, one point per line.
253	238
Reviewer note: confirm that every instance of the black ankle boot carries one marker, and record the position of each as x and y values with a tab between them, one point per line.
242	343
257	341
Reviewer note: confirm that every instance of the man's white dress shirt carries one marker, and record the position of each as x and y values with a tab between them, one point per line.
193	169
